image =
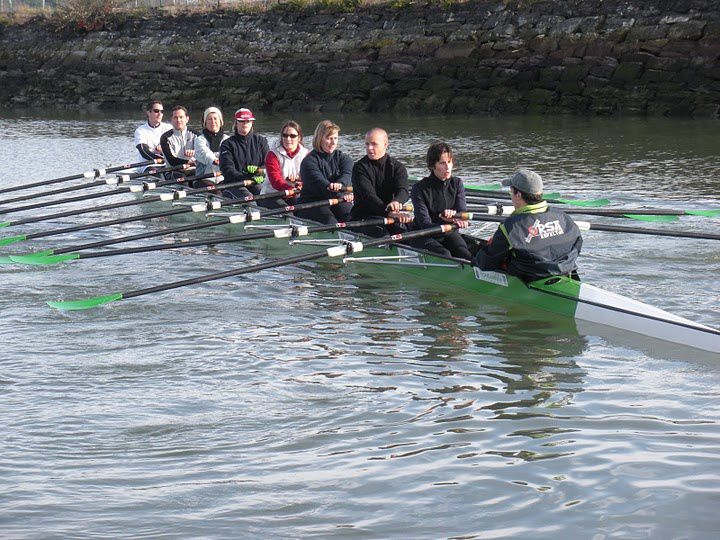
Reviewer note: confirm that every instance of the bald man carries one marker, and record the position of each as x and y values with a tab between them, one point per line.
380	185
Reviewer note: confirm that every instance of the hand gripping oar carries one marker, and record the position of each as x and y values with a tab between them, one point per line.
145	186
587	226
96	173
289	231
119	179
170	196
54	256
335	251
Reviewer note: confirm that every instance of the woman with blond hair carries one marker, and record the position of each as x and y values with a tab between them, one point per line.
326	172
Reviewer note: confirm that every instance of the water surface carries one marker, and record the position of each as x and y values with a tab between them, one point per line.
319	402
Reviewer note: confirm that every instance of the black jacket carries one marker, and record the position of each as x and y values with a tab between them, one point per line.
376	183
431	196
320	169
239	151
536	241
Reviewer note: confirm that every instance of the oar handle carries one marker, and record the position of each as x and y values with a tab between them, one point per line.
95	173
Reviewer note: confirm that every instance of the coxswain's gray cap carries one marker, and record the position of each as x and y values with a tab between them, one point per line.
525	181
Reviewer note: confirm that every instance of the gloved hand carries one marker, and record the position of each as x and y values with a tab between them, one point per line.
252	169
258	179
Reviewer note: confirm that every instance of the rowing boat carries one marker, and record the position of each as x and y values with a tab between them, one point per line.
558	296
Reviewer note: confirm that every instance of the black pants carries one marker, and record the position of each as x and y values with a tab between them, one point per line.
272	204
451	244
240	192
327	215
378	231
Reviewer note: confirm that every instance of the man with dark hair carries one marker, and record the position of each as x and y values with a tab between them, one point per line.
380	186
178	144
147	135
536	241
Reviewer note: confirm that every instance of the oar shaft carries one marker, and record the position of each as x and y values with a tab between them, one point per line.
610	212
434	231
96	173
112	206
103	194
260	235
118	221
168	231
586	225
96	183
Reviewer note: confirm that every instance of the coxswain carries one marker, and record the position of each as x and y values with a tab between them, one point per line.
536	241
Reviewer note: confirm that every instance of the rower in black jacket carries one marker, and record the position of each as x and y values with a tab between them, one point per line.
536	241
436	199
380	186
241	155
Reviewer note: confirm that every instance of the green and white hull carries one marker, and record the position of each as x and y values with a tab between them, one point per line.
558	295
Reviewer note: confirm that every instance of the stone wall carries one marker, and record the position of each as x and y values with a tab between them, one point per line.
657	57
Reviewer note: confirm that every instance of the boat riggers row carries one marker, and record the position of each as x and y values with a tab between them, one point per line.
345	248
61	254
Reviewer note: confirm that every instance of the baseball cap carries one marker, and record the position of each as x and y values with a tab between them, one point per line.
244	115
525	181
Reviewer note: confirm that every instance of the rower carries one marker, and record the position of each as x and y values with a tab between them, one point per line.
536	241
242	155
207	145
282	165
436	199
380	186
178	144
147	135
326	172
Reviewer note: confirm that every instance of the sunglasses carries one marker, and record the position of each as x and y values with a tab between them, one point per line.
158	111
290	135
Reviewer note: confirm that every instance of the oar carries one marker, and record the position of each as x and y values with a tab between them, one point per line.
71	252
145	186
170	196
290	231
495	190
206	206
120	179
549	197
640	214
96	173
334	251
586	226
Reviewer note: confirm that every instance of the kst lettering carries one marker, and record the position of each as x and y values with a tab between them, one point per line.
543	230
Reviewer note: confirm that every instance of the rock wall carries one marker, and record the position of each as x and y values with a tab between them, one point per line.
657	57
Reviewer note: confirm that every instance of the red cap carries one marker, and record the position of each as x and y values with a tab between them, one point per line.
244	114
